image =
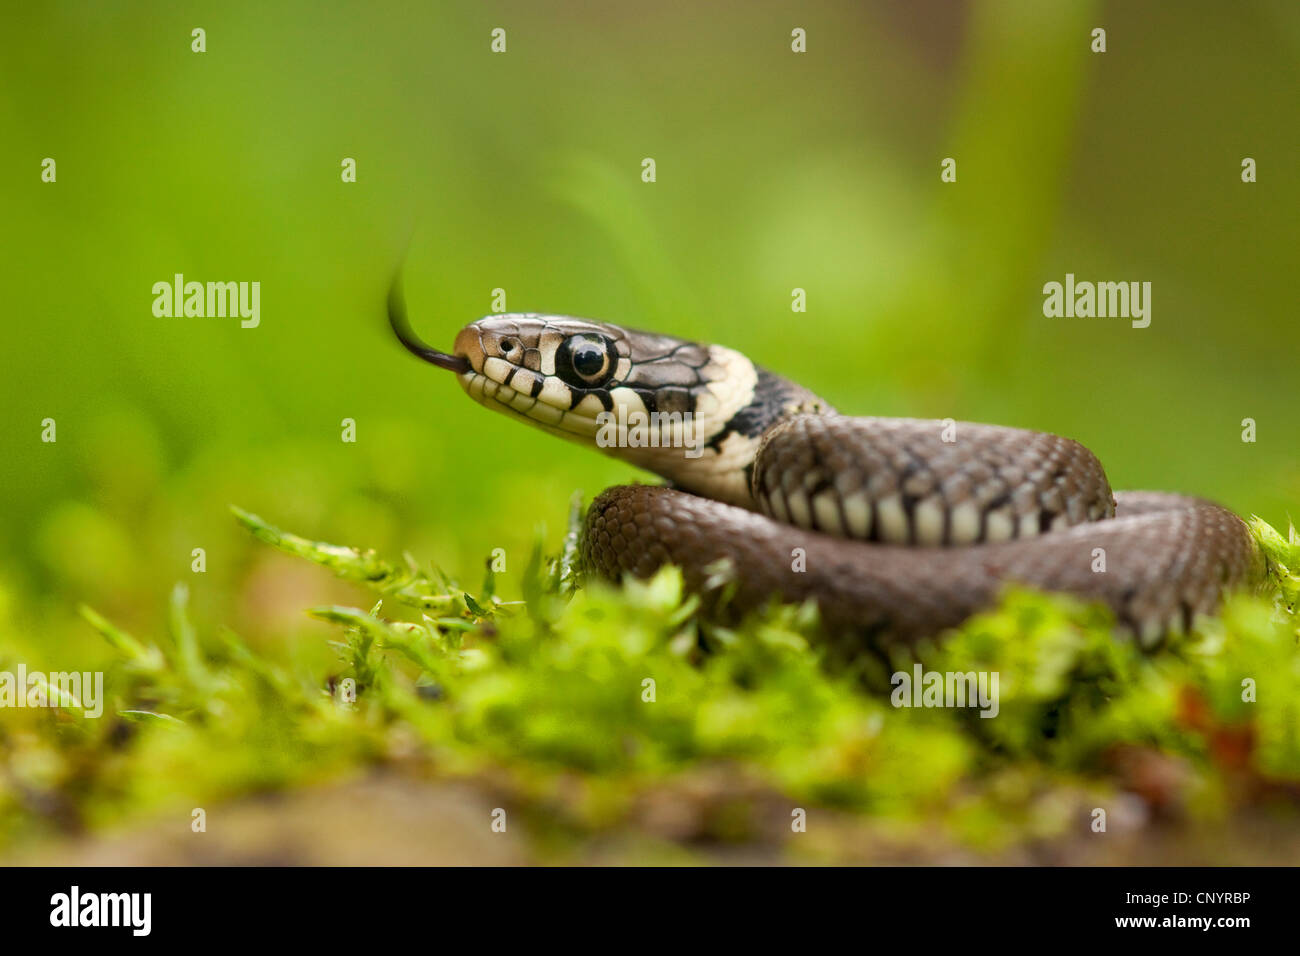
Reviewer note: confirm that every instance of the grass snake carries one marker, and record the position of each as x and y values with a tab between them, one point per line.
896	528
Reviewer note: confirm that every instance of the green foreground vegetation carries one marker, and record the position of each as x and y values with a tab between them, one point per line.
584	703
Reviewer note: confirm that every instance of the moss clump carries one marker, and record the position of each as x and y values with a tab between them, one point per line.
587	703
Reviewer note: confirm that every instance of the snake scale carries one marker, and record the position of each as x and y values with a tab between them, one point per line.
896	528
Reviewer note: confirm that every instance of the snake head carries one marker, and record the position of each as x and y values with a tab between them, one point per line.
584	380
554	372
562	373
689	412
557	373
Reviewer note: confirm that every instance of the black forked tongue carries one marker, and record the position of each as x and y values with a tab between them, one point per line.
402	328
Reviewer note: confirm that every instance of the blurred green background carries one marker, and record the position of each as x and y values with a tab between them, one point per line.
522	171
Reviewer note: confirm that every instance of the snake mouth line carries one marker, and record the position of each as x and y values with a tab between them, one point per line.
499	396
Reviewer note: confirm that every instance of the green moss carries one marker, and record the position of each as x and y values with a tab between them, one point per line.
625	691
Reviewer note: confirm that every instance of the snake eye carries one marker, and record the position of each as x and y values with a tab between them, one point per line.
585	361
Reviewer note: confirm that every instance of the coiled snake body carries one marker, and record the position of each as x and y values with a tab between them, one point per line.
896	528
